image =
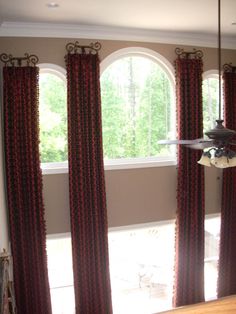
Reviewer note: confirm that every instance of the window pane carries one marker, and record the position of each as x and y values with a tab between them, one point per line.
210	102
137	100
61	275
142	266
53	118
212	238
141	269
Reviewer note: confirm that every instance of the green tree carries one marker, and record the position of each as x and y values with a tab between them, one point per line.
210	91
53	118
155	112
136	104
113	118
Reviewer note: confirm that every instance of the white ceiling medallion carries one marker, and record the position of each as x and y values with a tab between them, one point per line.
52	5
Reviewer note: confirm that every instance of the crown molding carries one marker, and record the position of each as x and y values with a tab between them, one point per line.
19	29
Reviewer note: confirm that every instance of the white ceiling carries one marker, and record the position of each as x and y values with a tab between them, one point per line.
193	17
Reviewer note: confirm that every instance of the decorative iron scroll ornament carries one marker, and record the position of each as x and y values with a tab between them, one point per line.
77	48
195	54
228	67
30	60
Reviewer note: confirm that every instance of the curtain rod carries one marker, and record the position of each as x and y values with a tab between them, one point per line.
8	59
228	67
197	54
74	47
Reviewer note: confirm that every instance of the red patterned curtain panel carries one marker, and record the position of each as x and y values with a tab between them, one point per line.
89	229
24	189
189	263
227	260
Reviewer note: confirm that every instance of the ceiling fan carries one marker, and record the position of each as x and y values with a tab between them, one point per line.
220	138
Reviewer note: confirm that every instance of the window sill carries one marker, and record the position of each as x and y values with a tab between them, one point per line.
115	164
54	167
133	163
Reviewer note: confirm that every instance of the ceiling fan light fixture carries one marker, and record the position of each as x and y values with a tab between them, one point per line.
232	161
218	157
220	161
205	159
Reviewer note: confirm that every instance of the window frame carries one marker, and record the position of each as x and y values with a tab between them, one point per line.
125	163
210	74
166	66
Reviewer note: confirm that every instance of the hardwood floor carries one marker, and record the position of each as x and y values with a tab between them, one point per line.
225	305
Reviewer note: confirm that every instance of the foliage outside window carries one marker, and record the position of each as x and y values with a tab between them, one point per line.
210	93
53	118
137	111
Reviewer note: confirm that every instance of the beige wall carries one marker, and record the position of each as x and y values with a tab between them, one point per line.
133	196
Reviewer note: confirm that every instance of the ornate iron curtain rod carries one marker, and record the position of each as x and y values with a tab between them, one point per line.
76	47
196	54
228	67
17	61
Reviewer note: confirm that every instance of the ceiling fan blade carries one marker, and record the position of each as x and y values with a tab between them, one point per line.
182	142
187	142
201	145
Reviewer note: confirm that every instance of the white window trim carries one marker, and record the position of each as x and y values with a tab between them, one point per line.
53	69
140	51
134	163
210	74
54	167
114	164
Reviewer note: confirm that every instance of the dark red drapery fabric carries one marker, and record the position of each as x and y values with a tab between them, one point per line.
189	261
89	228
24	190
227	259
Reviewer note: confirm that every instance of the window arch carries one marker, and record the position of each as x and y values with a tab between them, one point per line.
210	93
137	89
53	115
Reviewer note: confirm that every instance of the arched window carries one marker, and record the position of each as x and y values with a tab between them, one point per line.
53	115
210	92
137	89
